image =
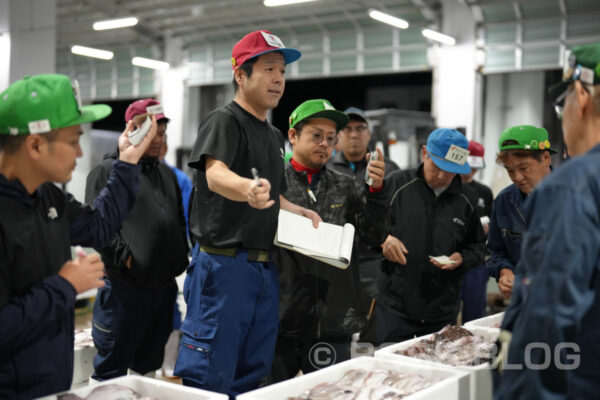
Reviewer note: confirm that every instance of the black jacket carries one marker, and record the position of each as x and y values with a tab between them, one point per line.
154	233
357	172
340	164
429	225
316	299
36	304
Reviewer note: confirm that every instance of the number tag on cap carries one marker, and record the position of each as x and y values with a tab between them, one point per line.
155	109
587	75
41	126
457	155
272	40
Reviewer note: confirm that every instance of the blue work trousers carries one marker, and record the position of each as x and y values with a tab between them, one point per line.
131	327
230	328
474	293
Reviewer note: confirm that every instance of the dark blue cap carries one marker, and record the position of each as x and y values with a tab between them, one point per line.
356	112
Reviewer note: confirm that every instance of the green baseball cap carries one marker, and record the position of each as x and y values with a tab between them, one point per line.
582	64
41	103
318	108
525	137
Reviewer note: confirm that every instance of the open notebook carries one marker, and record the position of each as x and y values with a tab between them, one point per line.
329	243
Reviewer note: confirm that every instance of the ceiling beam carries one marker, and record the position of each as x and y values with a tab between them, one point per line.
111	10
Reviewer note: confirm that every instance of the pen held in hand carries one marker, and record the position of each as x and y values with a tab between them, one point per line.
256	177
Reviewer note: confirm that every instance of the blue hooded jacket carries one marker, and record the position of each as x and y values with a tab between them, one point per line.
36	304
555	313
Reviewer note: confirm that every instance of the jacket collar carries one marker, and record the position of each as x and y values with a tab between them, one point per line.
15	190
339	158
454	188
145	162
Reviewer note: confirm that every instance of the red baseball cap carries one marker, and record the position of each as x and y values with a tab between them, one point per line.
476	152
145	106
260	42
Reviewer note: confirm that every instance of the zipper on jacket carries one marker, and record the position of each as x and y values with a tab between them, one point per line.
311	195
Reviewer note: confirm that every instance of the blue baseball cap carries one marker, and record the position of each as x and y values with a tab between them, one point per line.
448	149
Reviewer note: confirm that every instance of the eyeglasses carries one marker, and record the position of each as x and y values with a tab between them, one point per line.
559	103
318	138
357	128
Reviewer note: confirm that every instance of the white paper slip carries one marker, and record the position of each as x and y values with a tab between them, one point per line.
136	136
444	260
329	243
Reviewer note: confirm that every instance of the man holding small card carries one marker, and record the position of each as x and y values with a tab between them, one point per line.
435	237
320	303
133	312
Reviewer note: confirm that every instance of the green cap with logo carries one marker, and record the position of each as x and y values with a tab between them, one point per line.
41	103
318	108
525	137
582	64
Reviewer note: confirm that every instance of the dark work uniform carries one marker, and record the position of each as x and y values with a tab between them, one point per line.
231	288
36	304
474	287
318	302
370	255
133	312
419	298
554	302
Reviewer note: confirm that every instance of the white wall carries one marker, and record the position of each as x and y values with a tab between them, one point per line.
453	94
32	27
172	94
4	44
510	99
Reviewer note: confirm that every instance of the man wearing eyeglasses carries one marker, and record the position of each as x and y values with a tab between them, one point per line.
556	295
320	303
352	160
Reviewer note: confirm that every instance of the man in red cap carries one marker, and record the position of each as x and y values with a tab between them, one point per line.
133	312
473	292
232	286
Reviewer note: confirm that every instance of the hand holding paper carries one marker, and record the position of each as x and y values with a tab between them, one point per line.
447	263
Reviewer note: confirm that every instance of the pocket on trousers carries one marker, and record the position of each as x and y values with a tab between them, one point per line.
195	352
104	338
106	309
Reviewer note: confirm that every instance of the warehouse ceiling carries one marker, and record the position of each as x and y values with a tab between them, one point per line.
498	11
210	21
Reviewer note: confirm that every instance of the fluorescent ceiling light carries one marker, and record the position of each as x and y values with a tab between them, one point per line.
149	63
91	52
439	37
275	3
388	19
115	23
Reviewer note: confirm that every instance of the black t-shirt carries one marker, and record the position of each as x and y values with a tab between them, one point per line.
234	136
485	198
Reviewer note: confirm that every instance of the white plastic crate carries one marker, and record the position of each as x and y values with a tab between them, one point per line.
491	321
479	377
154	388
83	364
448	388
